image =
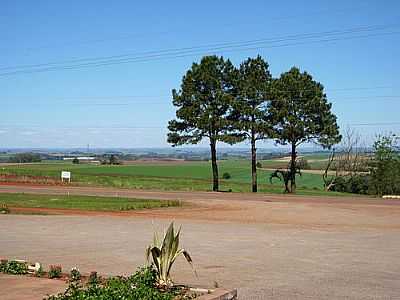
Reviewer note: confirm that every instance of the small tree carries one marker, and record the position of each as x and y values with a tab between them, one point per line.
249	114
75	160
204	102
347	161
114	160
329	181
285	176
300	113
385	167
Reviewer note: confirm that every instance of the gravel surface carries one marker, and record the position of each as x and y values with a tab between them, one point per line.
269	247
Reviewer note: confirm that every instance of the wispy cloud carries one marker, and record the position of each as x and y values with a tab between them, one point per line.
28	132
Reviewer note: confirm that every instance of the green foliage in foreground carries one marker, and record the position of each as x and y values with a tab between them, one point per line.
82	202
13	267
164	252
139	286
55	271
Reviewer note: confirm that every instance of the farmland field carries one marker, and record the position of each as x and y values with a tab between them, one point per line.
173	176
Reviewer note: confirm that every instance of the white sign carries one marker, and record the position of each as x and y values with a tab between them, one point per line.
66	175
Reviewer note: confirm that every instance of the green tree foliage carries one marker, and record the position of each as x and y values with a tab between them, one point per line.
75	160
249	108
203	104
301	113
114	160
385	167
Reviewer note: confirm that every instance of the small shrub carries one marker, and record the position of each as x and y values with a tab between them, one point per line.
54	271
14	267
93	278
75	161
3	265
141	285
39	272
259	165
357	184
226	175
4	209
75	275
163	253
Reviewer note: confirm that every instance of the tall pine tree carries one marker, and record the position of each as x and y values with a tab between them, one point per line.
250	106
301	113
203	103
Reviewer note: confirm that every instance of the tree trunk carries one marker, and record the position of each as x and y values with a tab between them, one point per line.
293	169
253	163
214	165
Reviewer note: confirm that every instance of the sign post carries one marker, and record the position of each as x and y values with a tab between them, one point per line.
65	175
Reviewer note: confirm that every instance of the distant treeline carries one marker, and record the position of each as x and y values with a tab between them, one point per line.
25	158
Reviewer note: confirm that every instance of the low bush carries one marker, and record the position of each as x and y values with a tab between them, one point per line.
75	275
357	184
259	165
4	209
54	271
3	264
139	286
226	175
93	278
13	267
39	272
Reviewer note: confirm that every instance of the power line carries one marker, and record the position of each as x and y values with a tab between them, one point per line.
207	46
123	127
190	51
183	54
136	35
108	104
376	124
169	95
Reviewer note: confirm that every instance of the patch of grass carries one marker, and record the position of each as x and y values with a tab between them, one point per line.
82	202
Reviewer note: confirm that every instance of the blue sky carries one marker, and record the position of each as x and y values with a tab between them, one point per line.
129	104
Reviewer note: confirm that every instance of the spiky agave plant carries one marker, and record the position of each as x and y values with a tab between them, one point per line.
164	252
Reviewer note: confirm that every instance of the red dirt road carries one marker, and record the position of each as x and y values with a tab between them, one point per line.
328	212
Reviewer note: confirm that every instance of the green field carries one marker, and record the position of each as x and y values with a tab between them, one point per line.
81	202
315	161
182	176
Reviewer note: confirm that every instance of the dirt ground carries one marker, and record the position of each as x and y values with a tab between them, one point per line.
267	246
